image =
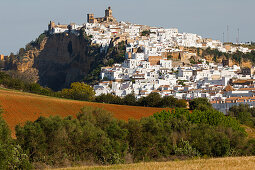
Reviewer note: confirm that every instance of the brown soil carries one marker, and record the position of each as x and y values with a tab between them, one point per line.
20	107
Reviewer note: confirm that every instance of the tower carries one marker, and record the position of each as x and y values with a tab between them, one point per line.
108	12
51	25
90	18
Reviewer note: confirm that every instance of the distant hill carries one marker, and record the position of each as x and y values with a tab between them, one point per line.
20	107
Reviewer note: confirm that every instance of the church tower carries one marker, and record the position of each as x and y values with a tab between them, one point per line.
51	26
108	13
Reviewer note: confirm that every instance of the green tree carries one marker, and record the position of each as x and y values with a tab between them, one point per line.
108	98
129	100
153	100
200	104
170	101
79	91
169	57
146	33
11	155
244	114
209	141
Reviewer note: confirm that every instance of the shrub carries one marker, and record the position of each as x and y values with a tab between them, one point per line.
185	149
95	135
11	155
200	104
79	91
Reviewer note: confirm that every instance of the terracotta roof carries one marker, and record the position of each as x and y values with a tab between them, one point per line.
243	81
229	88
246	89
155	91
167	90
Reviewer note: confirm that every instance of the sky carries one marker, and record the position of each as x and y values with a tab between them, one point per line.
22	21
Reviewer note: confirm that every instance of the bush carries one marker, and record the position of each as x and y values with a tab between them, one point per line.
108	98
95	135
185	149
11	155
79	91
129	100
200	104
209	141
244	114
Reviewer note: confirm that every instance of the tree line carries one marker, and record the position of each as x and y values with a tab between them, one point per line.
84	92
152	100
95	136
237	56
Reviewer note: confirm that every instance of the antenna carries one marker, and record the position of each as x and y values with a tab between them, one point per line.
227	33
238	35
223	37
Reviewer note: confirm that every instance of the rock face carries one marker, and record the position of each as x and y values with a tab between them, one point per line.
60	60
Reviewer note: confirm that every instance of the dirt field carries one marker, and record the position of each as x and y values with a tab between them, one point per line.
229	163
20	107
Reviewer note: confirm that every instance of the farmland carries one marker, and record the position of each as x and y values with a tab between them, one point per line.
216	163
20	107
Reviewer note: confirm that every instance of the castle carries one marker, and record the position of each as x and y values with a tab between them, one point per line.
58	28
108	17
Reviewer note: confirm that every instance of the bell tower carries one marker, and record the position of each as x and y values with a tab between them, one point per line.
108	13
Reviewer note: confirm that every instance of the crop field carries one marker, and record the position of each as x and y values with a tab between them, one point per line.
228	163
20	107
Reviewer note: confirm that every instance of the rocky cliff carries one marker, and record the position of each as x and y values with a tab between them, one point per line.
60	60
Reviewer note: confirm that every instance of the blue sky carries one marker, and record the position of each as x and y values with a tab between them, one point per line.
23	20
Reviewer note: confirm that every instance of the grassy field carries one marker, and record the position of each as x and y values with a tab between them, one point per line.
229	163
20	107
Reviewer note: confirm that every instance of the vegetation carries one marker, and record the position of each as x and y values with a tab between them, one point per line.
14	83
237	56
152	100
169	57
244	114
79	91
96	136
16	104
11	154
84	92
200	104
145	33
114	54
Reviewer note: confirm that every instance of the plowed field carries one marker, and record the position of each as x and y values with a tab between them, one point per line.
20	107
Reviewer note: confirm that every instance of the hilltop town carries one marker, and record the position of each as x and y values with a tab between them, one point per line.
113	94
165	61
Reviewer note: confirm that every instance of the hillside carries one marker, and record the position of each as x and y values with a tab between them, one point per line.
61	59
20	107
216	163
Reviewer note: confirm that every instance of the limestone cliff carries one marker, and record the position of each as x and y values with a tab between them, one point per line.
60	60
